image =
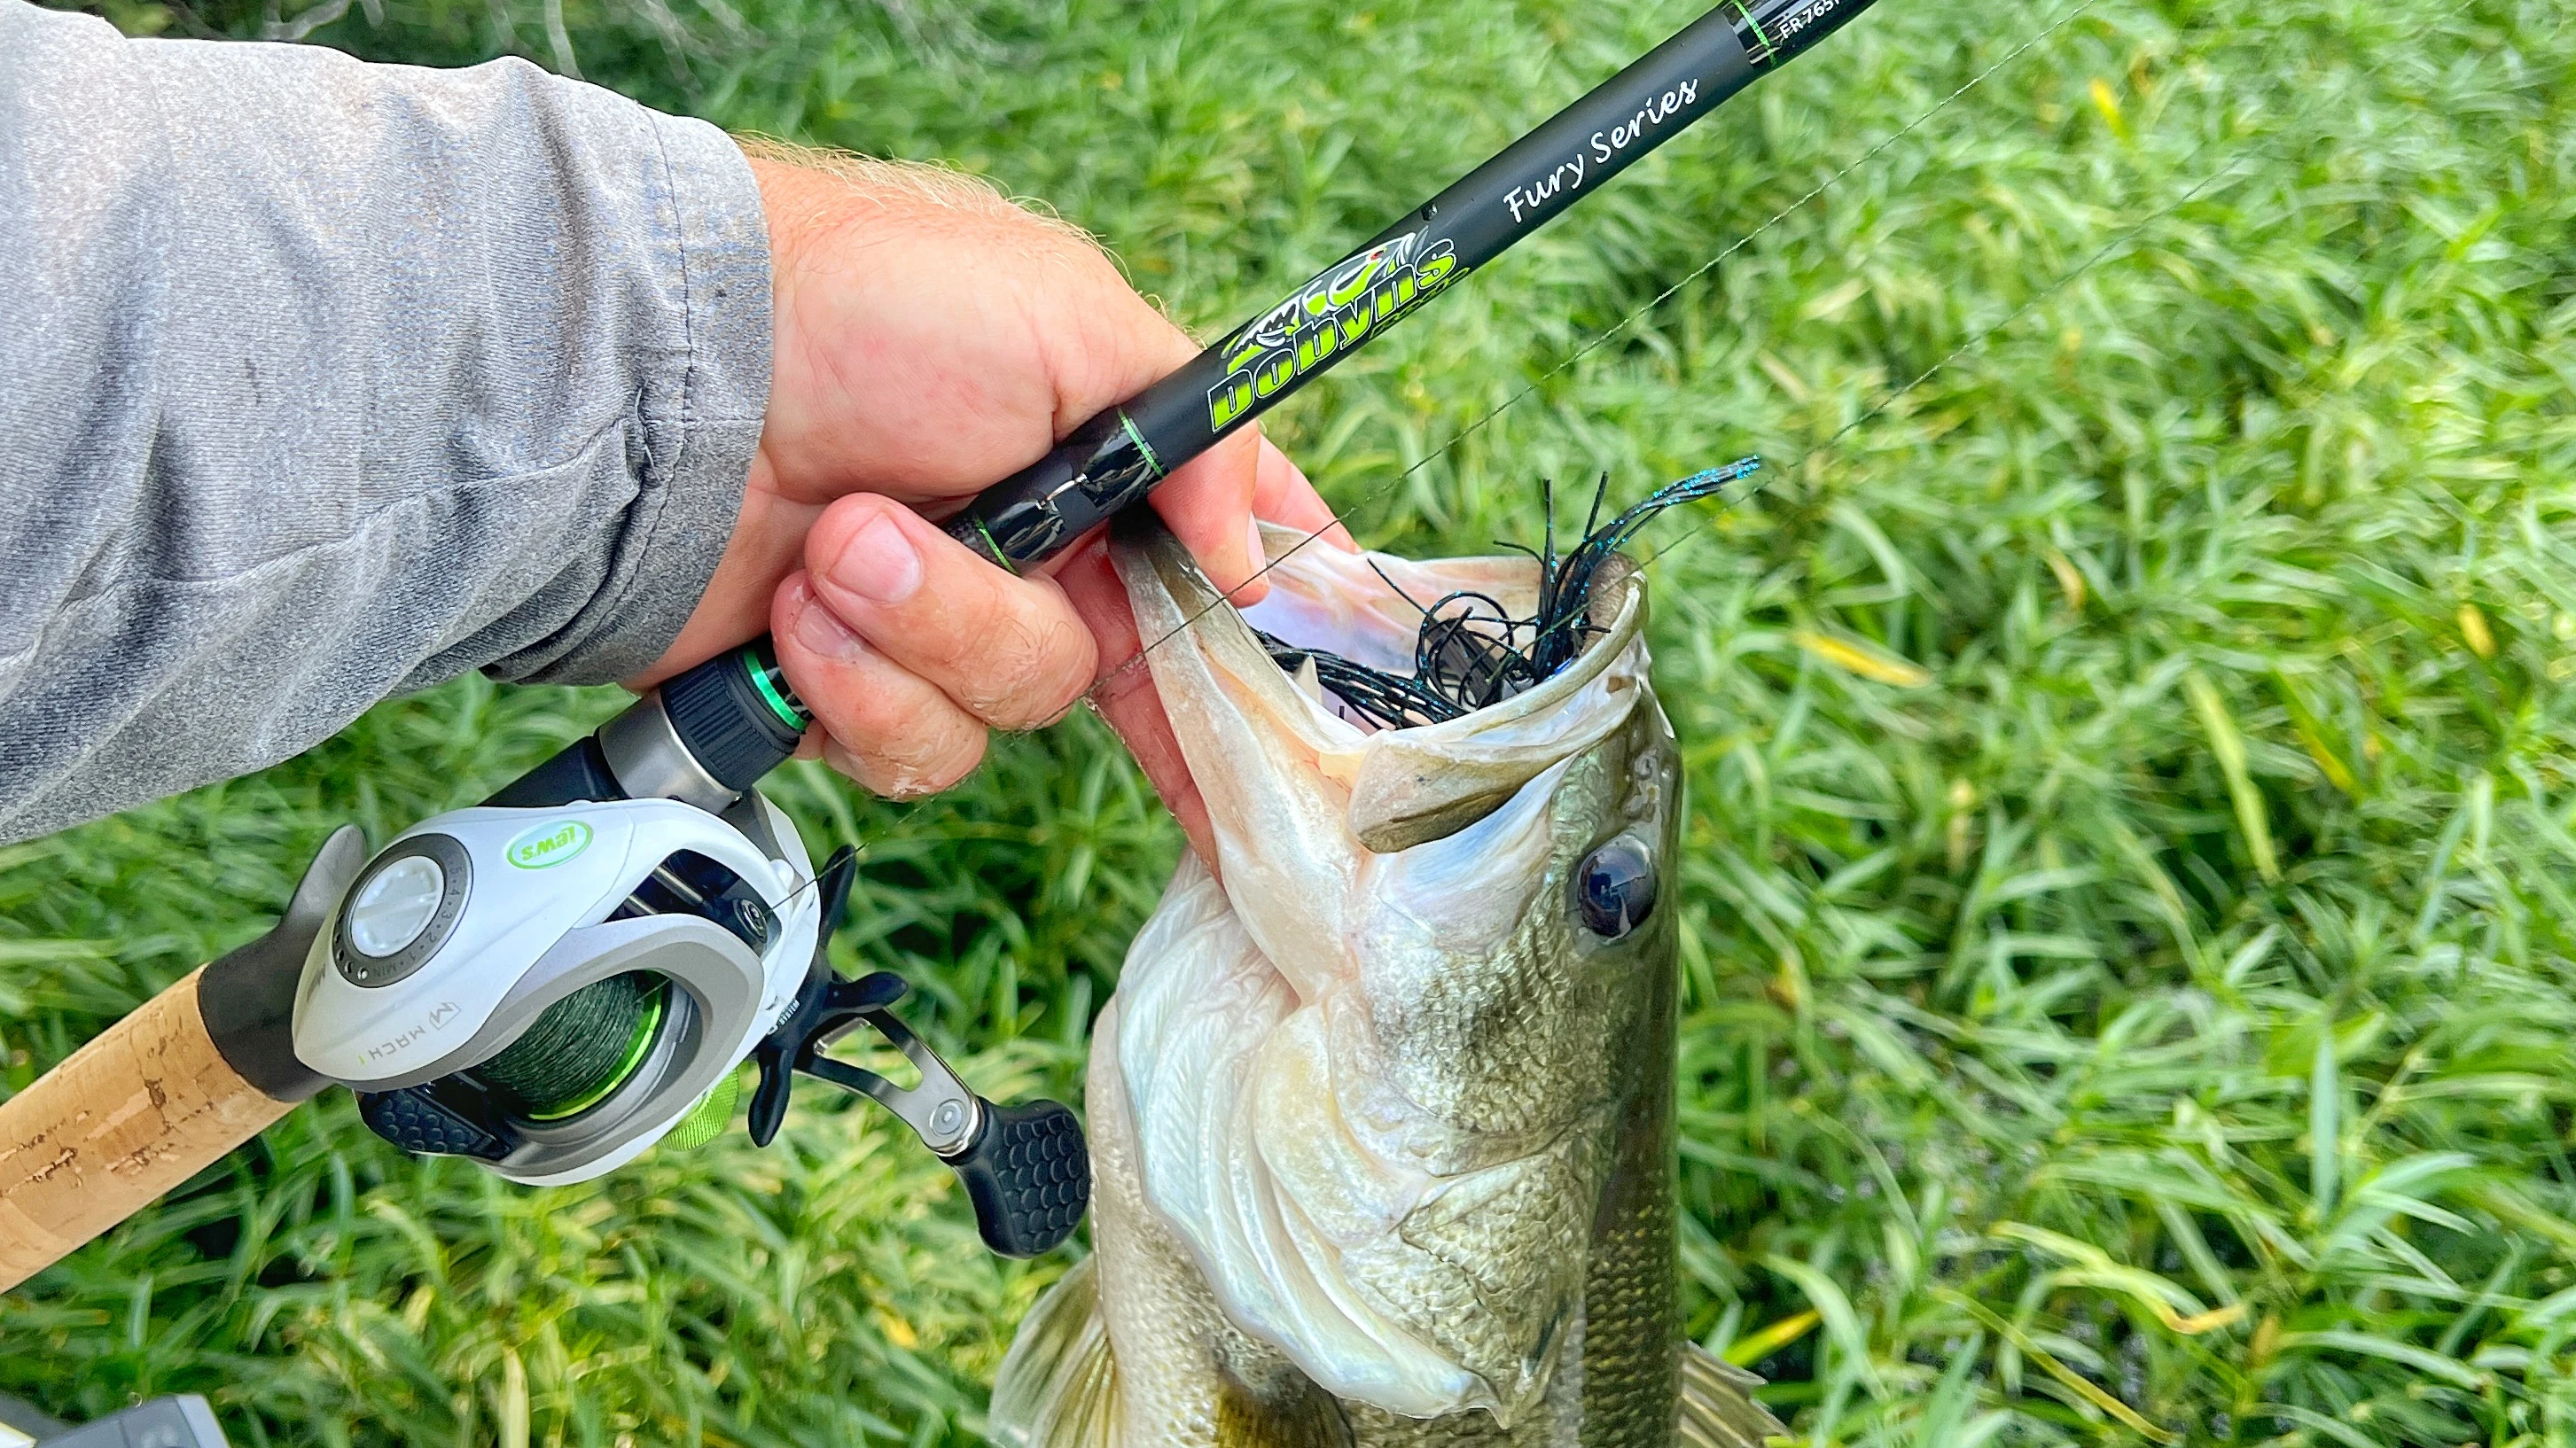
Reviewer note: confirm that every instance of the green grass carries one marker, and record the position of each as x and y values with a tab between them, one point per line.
2154	1020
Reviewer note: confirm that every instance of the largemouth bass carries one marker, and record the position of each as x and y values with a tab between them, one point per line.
1381	1114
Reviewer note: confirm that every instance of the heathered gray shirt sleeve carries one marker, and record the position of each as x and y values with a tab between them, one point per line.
323	381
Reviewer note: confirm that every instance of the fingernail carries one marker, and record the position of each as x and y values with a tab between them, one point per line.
1253	559
824	634
879	563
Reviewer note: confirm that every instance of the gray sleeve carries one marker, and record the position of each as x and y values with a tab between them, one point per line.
323	381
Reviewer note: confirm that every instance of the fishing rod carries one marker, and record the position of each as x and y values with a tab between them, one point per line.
553	981
732	719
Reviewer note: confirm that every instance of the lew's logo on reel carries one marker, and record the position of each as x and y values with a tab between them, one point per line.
549	844
1328	316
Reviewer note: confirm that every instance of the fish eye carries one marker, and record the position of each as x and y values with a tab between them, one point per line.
1615	888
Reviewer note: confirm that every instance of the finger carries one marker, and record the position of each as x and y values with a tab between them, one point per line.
1008	650
893	731
1281	494
1207	503
1125	693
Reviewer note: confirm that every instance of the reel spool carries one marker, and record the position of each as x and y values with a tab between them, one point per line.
580	1049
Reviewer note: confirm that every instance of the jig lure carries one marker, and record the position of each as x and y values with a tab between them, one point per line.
1471	652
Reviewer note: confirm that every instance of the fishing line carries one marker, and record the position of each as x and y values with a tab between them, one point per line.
1879	408
1704	268
2267	151
2224	173
579	1050
2230	170
1615	328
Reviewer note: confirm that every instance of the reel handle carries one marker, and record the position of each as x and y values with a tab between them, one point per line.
1026	1166
1028	1174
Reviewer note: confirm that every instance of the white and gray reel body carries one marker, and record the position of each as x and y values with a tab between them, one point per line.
553	981
461	934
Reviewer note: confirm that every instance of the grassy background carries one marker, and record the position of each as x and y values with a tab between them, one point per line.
2132	837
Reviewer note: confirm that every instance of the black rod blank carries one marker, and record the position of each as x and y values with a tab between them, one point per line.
1116	458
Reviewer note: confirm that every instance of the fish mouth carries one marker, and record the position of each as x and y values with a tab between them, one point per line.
1402	1254
1406	785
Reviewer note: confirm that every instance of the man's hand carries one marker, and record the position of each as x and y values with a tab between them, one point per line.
931	340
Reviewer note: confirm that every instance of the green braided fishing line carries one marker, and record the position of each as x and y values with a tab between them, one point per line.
580	1048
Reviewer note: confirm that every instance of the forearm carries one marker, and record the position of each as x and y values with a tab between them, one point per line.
327	381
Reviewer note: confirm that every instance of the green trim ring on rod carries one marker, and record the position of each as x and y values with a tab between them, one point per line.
762	664
1115	459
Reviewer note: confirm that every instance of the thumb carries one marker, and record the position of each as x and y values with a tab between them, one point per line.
1124	693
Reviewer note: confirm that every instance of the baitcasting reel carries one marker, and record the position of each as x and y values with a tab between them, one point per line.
552	990
449	988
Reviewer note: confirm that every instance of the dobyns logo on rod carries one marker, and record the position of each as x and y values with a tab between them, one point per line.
1328	316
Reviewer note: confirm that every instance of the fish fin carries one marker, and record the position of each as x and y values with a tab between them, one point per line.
1304	1416
1718	1410
1058	1387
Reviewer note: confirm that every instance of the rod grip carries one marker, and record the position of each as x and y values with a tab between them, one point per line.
142	1107
156	1098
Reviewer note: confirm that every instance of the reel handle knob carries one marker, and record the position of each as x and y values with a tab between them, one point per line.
1028	1172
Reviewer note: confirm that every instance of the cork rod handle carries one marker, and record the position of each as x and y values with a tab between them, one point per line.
138	1110
193	1073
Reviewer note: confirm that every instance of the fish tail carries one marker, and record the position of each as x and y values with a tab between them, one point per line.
1058	1387
1717	1407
